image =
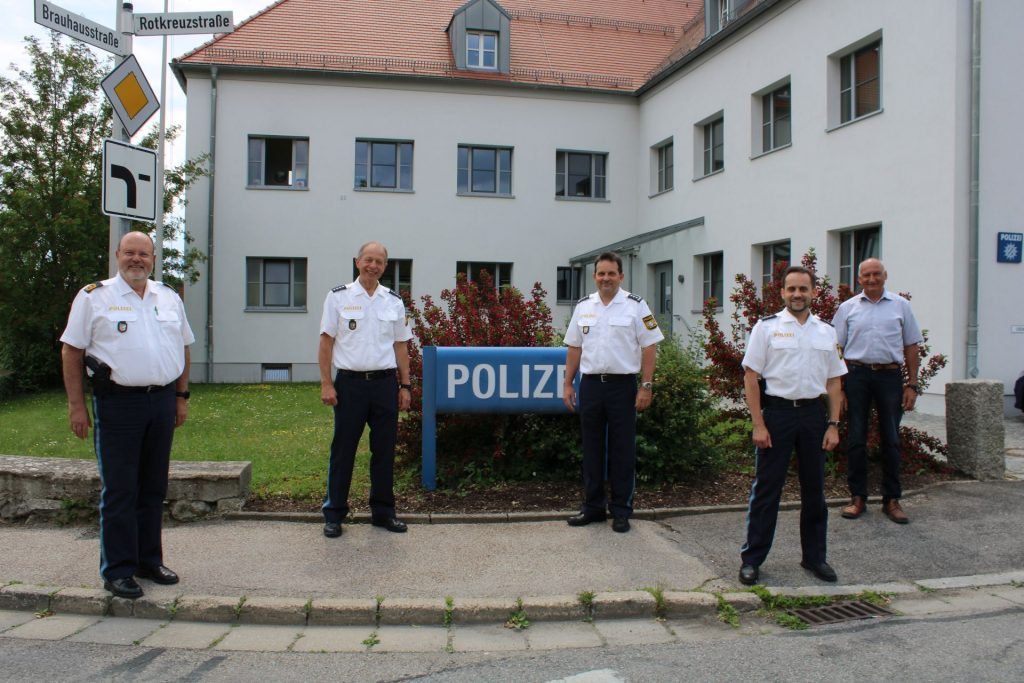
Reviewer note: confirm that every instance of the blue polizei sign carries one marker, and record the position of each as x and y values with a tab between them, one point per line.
1009	250
487	380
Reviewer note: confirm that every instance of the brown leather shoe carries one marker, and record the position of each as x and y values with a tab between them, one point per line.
855	509
894	512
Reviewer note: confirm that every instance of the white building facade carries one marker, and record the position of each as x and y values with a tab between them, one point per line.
839	125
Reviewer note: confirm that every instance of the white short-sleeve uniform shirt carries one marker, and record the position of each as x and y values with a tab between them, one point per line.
795	360
142	339
612	336
365	328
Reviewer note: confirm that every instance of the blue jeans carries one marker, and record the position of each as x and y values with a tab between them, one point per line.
885	388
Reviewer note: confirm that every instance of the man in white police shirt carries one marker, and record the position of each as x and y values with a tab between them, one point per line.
132	334
364	334
796	355
612	337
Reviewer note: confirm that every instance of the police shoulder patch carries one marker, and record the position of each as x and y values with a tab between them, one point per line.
636	298
394	293
339	288
650	322
88	288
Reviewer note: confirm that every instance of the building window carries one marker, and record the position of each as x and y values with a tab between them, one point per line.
275	283
713	278
714	146
773	256
383	165
856	246
276	372
501	273
481	50
278	162
580	174
666	166
569	284
397	276
775	125
485	170
860	82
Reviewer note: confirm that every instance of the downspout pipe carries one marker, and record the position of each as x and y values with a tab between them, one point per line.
209	225
975	185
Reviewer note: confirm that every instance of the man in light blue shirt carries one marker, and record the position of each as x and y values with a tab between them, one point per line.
878	333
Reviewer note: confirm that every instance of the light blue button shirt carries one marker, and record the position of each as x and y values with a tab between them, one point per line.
876	331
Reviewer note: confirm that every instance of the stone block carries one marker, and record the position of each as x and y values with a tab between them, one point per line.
413	611
974	428
477	610
51	628
341	612
623	604
81	601
688	604
411	639
146	607
560	635
743	602
554	608
259	638
206	608
187	636
226	505
209	481
332	639
117	631
489	638
190	510
280	611
619	632
24	597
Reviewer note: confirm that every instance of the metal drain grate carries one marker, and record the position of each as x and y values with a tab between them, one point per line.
849	610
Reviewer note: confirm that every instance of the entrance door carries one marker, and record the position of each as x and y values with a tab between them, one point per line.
661	296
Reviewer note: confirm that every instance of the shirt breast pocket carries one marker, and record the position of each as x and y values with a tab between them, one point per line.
620	325
783	343
122	328
351	322
170	326
386	323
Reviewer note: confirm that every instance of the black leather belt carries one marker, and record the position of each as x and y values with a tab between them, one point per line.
611	378
367	374
778	402
873	366
150	389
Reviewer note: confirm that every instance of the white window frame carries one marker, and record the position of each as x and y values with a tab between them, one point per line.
848	70
575	284
298	173
850	256
298	284
770	118
710	144
399	164
499	173
708	279
481	51
665	164
397	270
562	157
500	271
770	256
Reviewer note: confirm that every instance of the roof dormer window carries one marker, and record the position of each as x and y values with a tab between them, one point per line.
481	50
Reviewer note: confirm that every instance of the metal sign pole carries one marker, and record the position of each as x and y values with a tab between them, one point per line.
158	226
119	227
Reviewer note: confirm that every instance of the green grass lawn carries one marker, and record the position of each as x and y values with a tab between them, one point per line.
282	428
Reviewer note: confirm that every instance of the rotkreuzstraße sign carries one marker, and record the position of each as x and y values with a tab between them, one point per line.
75	25
183	22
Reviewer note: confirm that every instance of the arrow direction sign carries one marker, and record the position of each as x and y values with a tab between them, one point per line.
183	22
129	181
59	19
130	94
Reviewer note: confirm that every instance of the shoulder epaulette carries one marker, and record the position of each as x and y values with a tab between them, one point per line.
635	298
769	317
338	288
88	288
168	285
394	293
582	299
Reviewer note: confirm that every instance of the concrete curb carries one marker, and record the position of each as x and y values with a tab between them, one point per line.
442	612
651	514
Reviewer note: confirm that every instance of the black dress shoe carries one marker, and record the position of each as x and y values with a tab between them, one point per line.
823	571
620	525
585	518
332	529
159	574
391	524
124	588
749	574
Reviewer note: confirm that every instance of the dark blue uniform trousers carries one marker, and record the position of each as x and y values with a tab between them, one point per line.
132	434
362	402
885	388
803	428
608	424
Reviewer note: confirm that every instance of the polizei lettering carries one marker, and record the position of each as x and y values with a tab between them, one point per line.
67	21
487	381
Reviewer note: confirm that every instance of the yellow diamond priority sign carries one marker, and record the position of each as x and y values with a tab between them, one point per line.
130	94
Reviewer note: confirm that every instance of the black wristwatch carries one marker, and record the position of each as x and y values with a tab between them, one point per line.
914	387
405	386
183	394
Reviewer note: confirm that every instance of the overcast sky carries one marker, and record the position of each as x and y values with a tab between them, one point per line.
19	21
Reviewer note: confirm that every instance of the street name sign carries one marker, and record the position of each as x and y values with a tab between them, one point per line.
130	94
183	22
129	181
59	19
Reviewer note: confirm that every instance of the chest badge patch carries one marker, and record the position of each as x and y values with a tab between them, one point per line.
586	329
122	326
351	324
650	323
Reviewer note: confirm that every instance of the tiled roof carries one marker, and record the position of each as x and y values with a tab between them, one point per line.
599	44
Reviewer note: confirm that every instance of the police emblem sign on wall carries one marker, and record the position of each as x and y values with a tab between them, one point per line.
129	181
